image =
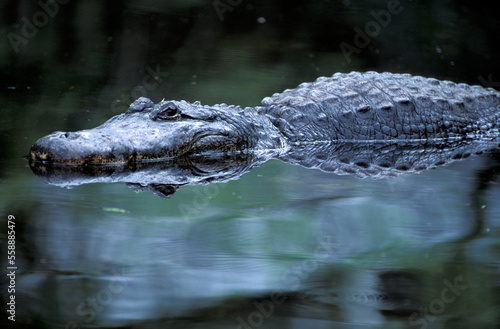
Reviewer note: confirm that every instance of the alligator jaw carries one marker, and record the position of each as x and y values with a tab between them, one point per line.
45	157
79	149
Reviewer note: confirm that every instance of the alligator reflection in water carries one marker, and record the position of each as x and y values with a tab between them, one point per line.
361	159
162	178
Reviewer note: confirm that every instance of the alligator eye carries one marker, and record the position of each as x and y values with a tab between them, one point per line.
168	112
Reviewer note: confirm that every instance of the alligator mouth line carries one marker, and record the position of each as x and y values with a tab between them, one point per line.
43	157
202	142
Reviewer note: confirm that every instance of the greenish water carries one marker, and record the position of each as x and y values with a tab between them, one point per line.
282	247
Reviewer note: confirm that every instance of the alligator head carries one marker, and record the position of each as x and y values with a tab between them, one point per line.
149	132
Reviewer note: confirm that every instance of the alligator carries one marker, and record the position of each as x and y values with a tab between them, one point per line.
363	124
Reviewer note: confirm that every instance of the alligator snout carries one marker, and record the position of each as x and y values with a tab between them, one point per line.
74	148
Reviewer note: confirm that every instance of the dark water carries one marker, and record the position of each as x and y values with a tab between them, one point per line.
282	247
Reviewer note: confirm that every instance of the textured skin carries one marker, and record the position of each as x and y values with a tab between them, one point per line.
383	106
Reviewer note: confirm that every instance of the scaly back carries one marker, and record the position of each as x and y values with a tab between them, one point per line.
375	106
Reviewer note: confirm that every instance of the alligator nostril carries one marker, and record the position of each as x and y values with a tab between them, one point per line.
69	135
